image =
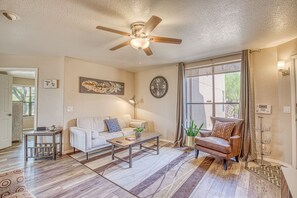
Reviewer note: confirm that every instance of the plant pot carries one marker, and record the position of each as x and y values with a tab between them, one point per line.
190	141
137	134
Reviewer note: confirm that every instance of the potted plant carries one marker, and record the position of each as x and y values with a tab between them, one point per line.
138	132
191	132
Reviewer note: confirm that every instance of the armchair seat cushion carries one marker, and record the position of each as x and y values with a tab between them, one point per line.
214	143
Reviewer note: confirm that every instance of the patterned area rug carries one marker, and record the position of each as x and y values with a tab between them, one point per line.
172	173
269	173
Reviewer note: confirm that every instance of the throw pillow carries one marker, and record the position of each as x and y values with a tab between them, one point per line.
113	125
223	130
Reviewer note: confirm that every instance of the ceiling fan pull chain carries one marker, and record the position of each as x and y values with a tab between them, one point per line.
139	57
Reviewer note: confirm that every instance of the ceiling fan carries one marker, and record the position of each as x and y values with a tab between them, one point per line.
140	35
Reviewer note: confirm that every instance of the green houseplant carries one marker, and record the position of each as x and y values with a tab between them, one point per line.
191	132
138	132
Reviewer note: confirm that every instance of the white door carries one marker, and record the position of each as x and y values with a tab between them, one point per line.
5	111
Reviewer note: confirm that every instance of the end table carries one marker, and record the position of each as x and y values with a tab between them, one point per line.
40	150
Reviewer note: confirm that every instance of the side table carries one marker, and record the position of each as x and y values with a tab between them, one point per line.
40	150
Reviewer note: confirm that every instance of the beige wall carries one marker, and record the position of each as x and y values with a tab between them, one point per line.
161	113
50	101
273	88
93	104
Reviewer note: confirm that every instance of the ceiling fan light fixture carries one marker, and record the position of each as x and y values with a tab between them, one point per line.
139	43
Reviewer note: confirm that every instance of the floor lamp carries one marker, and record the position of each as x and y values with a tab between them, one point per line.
132	101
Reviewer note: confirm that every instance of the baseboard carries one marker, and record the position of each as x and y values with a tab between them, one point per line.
68	151
169	141
277	162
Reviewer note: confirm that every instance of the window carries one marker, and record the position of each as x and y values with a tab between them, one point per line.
26	95
212	91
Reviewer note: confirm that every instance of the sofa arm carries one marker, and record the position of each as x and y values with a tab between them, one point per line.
235	143
80	138
17	182
138	123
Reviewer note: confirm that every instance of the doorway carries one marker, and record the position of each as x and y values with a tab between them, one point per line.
21	100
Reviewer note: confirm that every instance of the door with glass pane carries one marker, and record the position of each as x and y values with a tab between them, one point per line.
5	111
212	91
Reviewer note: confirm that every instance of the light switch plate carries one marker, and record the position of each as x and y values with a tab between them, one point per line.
69	108
287	109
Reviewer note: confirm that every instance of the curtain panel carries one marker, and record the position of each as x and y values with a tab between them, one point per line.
180	111
248	146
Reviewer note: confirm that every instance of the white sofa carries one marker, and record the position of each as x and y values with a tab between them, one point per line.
91	133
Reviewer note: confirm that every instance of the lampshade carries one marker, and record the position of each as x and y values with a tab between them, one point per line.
281	65
132	100
139	43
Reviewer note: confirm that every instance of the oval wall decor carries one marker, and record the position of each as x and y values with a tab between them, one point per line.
159	87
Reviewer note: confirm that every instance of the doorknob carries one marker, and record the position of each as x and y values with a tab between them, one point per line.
9	114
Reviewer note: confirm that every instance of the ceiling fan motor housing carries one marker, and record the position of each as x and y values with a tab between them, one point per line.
136	28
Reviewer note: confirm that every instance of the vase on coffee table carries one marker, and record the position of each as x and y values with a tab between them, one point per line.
138	132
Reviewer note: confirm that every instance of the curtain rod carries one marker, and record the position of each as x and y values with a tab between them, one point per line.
215	57
255	50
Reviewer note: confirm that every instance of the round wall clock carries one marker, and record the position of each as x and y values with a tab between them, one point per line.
159	86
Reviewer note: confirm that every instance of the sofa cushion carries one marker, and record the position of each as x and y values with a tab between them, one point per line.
128	131
99	124
100	138
92	123
113	125
214	143
109	136
223	130
124	120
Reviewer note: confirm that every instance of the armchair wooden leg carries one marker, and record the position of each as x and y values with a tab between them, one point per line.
196	153
237	158
225	164
73	149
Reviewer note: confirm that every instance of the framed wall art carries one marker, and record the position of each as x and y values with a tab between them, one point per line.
97	86
50	84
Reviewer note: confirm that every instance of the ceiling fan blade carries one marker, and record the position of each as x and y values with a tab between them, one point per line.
159	39
120	45
148	51
150	25
112	30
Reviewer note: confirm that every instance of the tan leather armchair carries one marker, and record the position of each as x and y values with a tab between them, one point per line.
218	146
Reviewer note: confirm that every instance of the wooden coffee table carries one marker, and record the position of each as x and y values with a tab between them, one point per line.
124	142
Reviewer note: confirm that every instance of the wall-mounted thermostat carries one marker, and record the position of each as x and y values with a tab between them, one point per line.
263	108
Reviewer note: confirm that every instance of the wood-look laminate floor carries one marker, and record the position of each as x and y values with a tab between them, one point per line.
66	177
